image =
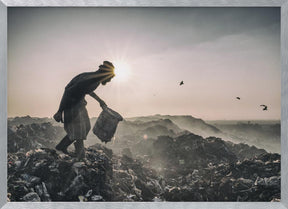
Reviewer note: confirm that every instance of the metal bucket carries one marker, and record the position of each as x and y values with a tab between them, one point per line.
106	124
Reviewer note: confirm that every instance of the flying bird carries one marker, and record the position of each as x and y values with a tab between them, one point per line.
181	83
238	98
264	107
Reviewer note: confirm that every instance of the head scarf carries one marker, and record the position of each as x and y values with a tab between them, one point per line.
106	70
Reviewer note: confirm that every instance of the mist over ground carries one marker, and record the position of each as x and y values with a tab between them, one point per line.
263	134
151	158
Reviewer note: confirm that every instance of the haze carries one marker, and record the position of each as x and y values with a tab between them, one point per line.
219	53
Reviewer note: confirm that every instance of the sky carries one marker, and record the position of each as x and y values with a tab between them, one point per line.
219	53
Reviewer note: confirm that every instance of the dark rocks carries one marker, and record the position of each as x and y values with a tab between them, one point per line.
41	190
31	197
33	136
55	177
190	151
240	181
185	167
244	151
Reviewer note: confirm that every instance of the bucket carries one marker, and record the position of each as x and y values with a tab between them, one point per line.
106	124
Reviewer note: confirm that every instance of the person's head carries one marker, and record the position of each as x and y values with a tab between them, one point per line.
106	81
108	71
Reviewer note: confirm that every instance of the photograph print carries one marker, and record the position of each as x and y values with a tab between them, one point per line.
179	104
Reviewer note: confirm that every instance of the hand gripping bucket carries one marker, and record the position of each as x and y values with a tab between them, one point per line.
106	124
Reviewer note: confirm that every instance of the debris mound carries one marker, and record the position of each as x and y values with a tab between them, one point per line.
45	175
179	167
33	136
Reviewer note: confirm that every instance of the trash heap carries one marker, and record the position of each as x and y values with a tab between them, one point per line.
190	151
183	168
197	169
244	151
45	175
33	136
132	181
257	179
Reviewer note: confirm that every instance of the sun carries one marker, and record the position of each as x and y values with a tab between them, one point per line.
122	70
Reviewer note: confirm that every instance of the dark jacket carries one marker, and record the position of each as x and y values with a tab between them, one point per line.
78	87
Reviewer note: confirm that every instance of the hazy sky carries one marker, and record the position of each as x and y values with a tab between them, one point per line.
219	53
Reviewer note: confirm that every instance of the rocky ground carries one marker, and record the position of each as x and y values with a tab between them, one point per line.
33	136
184	167
45	175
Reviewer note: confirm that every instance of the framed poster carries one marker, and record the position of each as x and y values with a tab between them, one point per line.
202	88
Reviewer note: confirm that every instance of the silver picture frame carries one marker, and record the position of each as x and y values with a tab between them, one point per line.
283	4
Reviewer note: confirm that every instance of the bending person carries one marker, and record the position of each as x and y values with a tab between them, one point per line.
73	105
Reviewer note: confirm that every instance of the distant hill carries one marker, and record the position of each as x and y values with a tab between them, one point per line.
175	124
133	130
262	134
185	122
26	120
150	128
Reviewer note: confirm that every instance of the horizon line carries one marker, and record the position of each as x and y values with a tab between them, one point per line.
279	119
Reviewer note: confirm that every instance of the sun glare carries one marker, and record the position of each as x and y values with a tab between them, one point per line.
122	70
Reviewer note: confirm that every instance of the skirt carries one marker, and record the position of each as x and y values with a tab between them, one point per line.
76	121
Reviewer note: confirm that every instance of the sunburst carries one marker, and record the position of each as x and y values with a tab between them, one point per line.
122	70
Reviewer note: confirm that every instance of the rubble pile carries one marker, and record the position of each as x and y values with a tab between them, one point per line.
244	151
257	179
45	175
189	151
33	136
132	181
186	167
197	169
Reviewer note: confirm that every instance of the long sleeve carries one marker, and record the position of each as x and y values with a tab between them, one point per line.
66	102
78	87
84	83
